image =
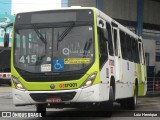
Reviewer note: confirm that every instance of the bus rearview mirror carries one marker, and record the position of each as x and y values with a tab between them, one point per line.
101	23
6	40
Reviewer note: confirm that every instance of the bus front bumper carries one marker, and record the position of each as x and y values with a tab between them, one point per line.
95	93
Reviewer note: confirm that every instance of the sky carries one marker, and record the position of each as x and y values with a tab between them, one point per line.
33	5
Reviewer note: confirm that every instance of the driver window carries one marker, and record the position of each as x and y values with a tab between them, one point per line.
102	33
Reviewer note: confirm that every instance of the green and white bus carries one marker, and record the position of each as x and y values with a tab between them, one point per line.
76	58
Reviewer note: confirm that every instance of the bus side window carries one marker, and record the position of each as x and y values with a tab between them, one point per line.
128	41
138	58
143	54
115	42
140	54
131	59
103	51
123	44
110	43
132	49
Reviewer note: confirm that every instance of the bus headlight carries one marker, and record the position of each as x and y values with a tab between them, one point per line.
89	80
17	84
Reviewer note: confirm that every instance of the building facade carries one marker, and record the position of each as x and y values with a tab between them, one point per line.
5	7
64	3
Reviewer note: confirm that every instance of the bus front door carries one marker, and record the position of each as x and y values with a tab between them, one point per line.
118	55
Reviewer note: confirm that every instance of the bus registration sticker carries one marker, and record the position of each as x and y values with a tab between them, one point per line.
46	68
77	61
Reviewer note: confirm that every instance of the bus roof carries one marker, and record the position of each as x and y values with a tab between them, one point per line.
99	14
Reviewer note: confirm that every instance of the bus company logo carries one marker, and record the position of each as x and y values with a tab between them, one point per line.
65	51
52	86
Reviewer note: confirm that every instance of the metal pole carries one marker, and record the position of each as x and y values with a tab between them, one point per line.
99	4
139	29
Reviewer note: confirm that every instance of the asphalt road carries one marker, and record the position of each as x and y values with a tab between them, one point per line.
145	105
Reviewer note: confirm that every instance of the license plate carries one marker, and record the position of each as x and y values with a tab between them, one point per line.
53	100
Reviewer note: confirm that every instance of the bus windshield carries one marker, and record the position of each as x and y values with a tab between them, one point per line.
39	48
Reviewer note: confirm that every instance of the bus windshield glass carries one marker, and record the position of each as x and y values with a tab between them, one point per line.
53	49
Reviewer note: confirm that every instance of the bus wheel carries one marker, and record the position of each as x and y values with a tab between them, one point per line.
40	108
108	106
123	103
132	102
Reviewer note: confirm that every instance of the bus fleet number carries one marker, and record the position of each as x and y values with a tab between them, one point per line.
28	59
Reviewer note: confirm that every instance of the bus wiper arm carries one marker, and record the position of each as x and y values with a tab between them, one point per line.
39	34
65	33
40	37
87	47
39	61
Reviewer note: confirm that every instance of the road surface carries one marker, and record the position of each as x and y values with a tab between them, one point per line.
146	105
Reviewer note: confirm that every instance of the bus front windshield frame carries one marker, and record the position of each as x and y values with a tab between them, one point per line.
42	48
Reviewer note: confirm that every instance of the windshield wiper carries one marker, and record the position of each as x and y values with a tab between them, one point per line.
66	31
64	34
87	47
39	61
39	34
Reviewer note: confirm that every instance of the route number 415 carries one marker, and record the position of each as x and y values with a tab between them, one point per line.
28	59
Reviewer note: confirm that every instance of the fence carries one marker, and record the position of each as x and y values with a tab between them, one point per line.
153	86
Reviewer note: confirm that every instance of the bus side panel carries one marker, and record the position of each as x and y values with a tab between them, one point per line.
142	86
125	86
105	82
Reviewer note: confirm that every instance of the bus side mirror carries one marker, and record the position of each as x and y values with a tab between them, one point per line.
101	23
6	40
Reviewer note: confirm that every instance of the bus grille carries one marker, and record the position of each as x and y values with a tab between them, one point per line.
48	77
41	97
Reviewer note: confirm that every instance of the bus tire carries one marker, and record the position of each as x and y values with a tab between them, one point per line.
108	105
40	108
123	103
132	102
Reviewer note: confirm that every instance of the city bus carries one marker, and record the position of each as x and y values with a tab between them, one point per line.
5	53
75	58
